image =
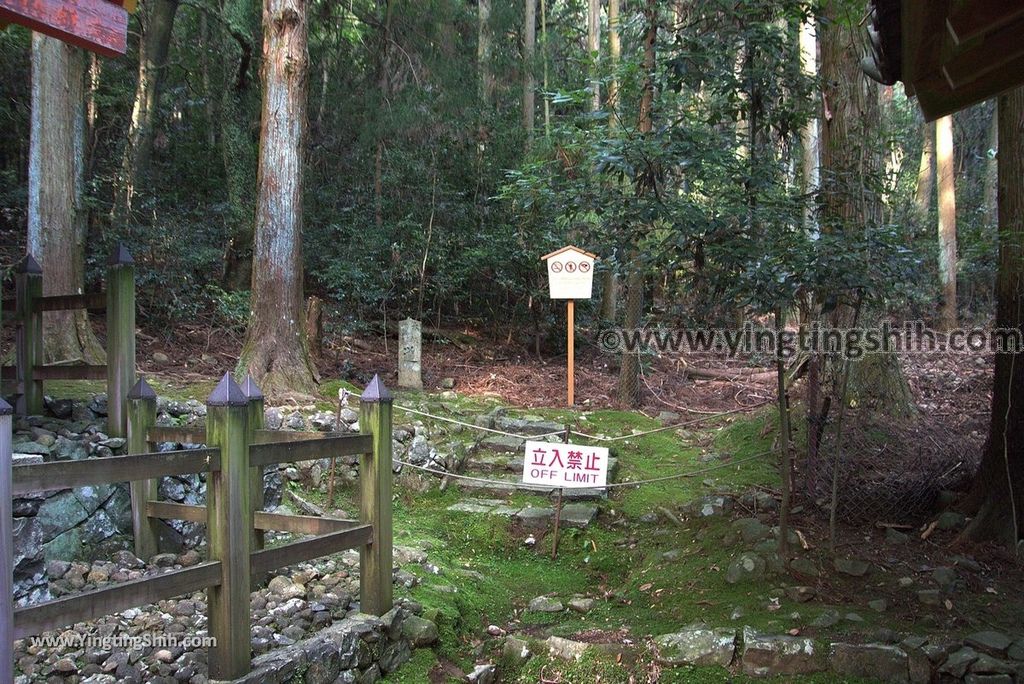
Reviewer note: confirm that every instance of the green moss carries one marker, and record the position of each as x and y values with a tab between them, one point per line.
417	670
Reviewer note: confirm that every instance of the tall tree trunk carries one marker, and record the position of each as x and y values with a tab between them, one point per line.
926	174
594	51
384	91
947	220
629	374
157	25
999	485
238	142
544	53
483	52
809	133
529	82
275	349
56	214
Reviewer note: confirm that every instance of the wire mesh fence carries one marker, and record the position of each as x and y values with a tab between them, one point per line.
880	457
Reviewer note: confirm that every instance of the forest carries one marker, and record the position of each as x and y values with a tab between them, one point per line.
293	178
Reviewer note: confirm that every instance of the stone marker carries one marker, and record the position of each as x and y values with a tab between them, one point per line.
410	343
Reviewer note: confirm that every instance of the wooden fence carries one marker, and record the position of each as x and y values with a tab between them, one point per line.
237	452
27	309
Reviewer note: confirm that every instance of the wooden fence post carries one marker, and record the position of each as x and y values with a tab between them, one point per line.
229	529
29	341
141	410
120	338
255	397
6	548
375	579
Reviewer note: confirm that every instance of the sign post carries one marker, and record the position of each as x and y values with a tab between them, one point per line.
570	277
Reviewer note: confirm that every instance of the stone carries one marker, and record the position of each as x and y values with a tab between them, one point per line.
851	566
163	560
804	566
973	678
951	520
879	662
769	655
483	674
800	594
503	444
286	588
545	604
700	647
295	421
420	631
60	513
749	566
958	662
578	515
31	448
160	359
394	655
945	578
582	605
895	537
710	506
410	343
828	618
273	418
1016	652
535	517
989	641
878	605
566	649
751	530
516	651
987	665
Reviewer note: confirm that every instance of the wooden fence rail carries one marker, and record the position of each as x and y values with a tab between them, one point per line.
233	461
29	304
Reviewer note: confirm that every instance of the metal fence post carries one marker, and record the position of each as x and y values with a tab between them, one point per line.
229	529
29	341
141	414
375	559
120	338
256	401
6	548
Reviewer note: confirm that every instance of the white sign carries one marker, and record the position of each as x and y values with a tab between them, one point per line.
565	465
570	273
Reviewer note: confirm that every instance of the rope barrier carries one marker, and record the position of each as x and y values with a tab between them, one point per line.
476	427
610	485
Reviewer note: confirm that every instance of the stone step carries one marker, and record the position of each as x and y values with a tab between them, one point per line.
576	515
499	485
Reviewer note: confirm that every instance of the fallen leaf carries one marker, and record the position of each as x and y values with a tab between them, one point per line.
646	586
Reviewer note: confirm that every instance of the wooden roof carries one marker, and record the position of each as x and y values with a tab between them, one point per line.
97	25
567	249
950	54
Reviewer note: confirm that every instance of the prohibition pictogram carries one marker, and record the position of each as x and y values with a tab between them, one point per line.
570	267
556	267
584	266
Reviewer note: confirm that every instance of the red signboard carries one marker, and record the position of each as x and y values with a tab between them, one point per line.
96	25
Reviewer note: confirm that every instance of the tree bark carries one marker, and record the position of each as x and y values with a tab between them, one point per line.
56	214
925	174
529	82
809	133
990	201
594	51
275	349
483	52
947	220
157	25
999	485
629	373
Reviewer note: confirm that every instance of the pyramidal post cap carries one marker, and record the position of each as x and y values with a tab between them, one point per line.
141	390
227	393
120	256
376	391
250	389
5	408
29	264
